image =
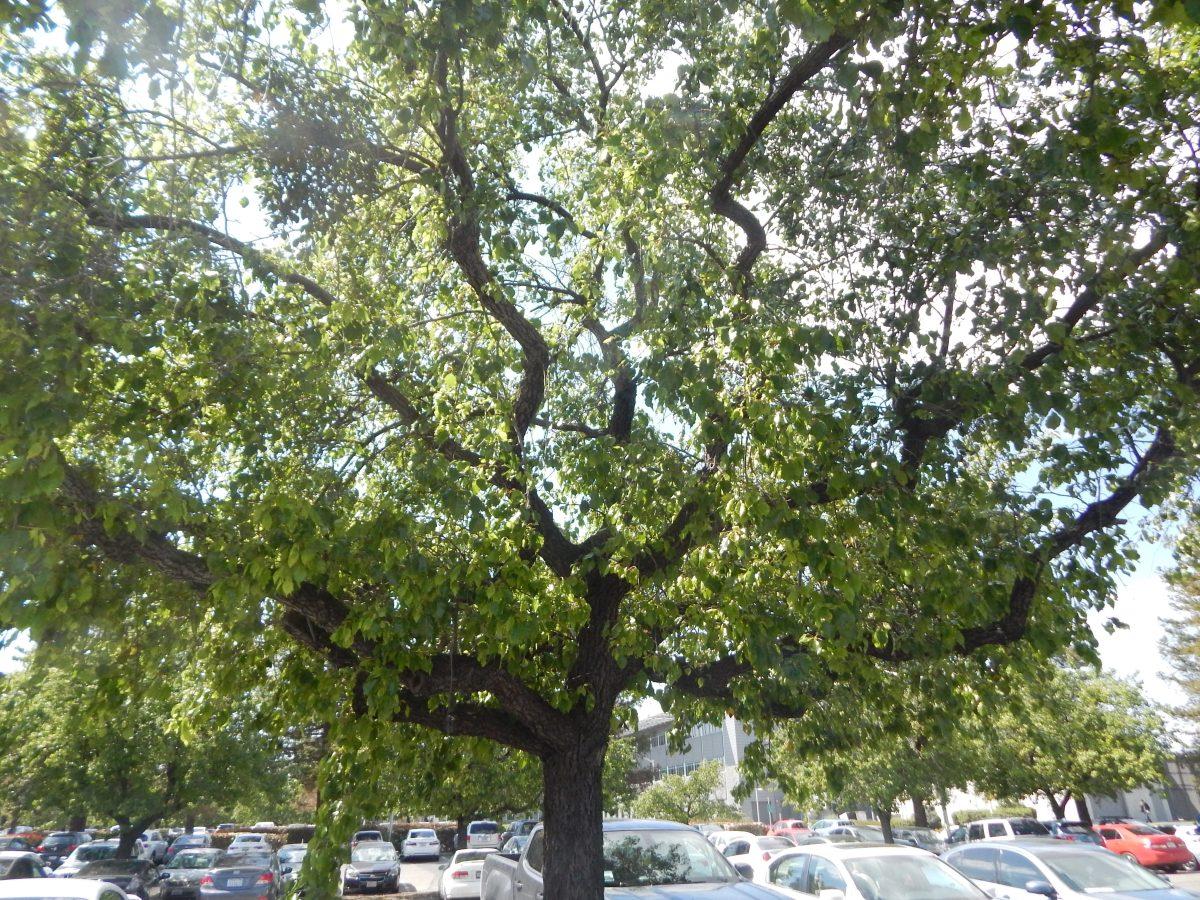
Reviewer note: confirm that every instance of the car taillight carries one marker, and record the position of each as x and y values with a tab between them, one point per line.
266	877
205	880
766	855
460	873
41	849
1147	843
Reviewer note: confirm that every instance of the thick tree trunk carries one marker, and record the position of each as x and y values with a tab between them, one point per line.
1085	814
920	813
885	824
126	843
1058	806
77	823
189	822
574	866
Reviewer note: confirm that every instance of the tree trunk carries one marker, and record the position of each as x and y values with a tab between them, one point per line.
920	813
127	840
885	824
77	823
574	811
1085	814
189	822
1058	806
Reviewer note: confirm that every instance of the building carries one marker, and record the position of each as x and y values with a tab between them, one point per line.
726	743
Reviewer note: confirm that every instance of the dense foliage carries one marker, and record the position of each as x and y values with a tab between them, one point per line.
511	357
1181	632
687	798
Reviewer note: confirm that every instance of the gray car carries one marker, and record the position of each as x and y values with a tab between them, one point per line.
136	877
1040	868
291	860
181	879
242	876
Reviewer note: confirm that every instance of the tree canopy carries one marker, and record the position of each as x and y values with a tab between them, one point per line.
514	357
1181	632
686	798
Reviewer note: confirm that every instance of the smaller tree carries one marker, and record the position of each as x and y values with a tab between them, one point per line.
685	798
1070	734
1181	632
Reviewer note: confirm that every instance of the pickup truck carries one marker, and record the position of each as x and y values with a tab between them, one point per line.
642	859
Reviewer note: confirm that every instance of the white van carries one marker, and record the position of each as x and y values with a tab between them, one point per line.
482	835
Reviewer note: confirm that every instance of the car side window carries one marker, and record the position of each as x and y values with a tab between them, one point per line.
1110	834
1016	871
823	875
789	872
977	863
975	833
996	829
110	895
21	869
533	853
737	848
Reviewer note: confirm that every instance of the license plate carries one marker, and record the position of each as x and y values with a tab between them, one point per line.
478	875
370	883
235	882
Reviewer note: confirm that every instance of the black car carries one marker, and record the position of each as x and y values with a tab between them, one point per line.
181	878
58	845
374	866
242	876
136	877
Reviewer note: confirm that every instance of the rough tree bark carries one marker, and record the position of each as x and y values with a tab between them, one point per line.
885	823
1085	814
573	820
920	812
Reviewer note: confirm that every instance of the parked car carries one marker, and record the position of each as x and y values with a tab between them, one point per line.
925	838
856	832
722	839
188	842
986	829
1147	846
463	875
865	872
789	828
93	851
1037	868
245	842
707	828
421	843
637	853
58	845
156	843
59	889
1073	831
21	864
181	877
519	827
756	852
514	845
482	834
373	866
291	861
136	877
16	843
822	825
269	825
360	836
227	826
249	875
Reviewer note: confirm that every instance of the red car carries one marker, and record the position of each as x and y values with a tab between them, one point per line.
1145	845
790	828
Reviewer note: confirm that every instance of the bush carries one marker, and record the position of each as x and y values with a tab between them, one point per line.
964	816
752	827
934	822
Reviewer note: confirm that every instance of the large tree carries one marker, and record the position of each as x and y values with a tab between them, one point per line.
1181	632
1070	735
127	732
510	357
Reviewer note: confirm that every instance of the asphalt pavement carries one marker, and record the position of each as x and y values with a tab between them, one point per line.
1190	882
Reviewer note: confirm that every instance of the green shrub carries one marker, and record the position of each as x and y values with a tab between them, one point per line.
934	822
964	816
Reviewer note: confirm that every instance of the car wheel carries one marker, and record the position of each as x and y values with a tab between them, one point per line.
1190	866
1130	857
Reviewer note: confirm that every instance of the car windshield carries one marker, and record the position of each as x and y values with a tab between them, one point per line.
464	856
1142	829
515	844
895	877
1028	826
421	833
5	865
633	858
105	867
372	854
188	840
867	833
483	828
196	859
774	843
93	852
291	856
233	858
1098	872
59	840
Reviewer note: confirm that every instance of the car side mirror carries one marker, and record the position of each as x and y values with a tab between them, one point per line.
746	871
1045	888
514	855
831	894
443	866
164	875
287	869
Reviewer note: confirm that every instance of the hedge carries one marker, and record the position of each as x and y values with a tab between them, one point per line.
964	816
302	834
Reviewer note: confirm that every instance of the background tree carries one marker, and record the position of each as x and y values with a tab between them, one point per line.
500	398
125	733
1071	734
1181	632
686	798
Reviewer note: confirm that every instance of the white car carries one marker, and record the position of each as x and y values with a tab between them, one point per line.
483	834
156	843
242	842
264	825
755	852
86	853
864	872
59	889
461	876
822	825
989	829
721	839
421	842
16	864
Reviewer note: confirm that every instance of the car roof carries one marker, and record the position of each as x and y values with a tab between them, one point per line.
376	844
648	825
857	848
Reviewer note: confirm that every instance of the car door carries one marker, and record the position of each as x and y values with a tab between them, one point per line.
823	875
978	864
1013	871
527	883
789	871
